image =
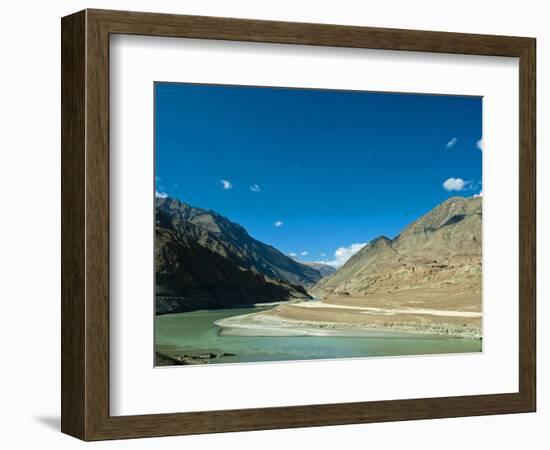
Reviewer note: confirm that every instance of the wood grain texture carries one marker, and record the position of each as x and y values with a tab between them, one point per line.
201	27
527	224
85	224
97	225
73	109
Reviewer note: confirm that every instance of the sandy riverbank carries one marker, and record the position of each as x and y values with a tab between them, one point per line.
356	317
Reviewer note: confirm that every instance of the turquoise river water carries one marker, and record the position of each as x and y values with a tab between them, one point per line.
195	332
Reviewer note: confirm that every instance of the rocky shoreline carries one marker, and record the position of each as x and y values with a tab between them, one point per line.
187	359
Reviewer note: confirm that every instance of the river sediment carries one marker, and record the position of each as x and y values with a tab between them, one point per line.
329	319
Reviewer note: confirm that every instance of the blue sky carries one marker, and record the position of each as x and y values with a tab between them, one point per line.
313	172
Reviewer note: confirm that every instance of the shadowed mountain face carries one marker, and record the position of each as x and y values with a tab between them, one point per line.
203	260
438	253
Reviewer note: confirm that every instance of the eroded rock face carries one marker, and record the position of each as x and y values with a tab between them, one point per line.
203	260
438	253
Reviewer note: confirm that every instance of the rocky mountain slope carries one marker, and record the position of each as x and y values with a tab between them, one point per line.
203	260
437	257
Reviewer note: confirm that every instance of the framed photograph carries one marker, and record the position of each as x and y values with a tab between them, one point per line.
273	225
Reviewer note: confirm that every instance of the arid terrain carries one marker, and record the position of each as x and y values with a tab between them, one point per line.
427	280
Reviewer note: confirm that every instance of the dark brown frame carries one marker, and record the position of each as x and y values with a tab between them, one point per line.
85	224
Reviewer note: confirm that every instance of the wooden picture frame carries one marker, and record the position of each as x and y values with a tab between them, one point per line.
85	224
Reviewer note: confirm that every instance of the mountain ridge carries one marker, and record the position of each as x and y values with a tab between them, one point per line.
440	247
203	260
322	268
255	254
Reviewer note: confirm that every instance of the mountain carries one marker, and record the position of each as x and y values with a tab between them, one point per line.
324	269
426	281
203	260
234	241
440	253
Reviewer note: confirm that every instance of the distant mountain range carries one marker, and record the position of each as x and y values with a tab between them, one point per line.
438	253
324	269
203	260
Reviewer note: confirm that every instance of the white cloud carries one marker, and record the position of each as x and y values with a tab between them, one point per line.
293	255
454	184
452	143
480	194
304	253
279	223
226	184
479	144
160	194
255	188
323	254
342	254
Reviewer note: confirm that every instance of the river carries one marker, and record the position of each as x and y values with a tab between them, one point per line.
195	333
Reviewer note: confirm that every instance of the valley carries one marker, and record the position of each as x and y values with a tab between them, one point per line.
423	284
